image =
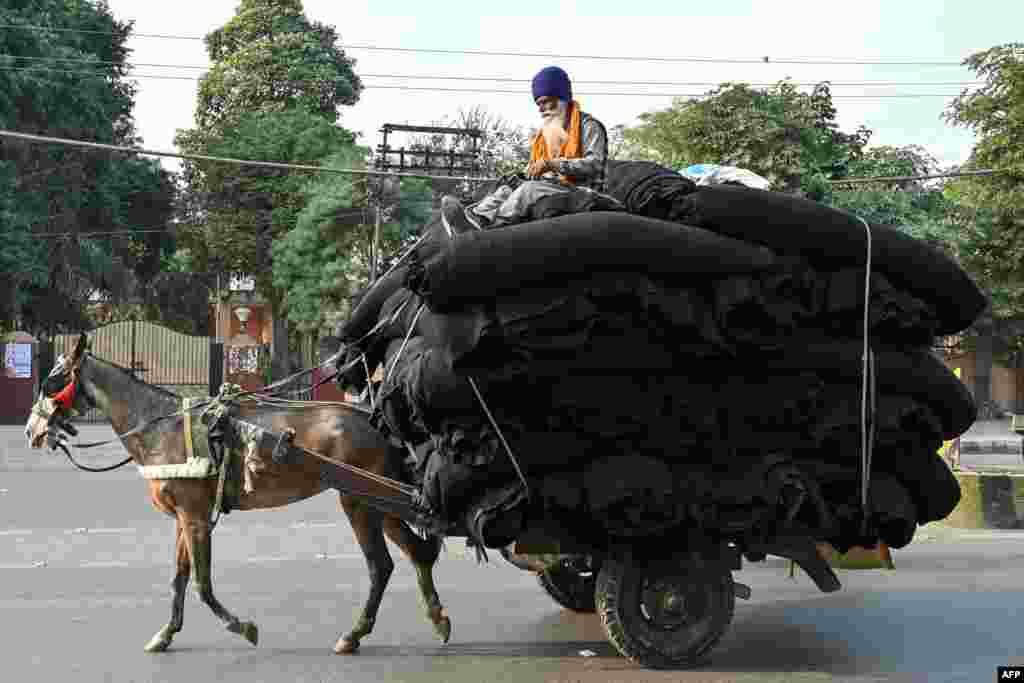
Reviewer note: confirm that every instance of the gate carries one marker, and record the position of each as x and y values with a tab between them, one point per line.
158	355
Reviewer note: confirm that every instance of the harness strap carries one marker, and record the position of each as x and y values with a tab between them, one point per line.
219	502
186	408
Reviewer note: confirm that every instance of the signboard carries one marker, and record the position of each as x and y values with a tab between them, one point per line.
242	283
243	359
18	360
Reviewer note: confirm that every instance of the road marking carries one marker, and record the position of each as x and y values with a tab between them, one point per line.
257	560
314	525
16	532
105	565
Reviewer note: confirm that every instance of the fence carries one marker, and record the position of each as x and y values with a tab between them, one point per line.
155	354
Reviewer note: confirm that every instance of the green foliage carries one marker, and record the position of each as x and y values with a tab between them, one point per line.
315	263
939	217
786	136
52	195
325	258
888	161
249	208
995	112
272	94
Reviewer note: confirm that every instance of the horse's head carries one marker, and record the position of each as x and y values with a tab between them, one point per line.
59	396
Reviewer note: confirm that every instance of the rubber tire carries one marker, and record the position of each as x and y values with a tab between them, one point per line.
619	584
569	588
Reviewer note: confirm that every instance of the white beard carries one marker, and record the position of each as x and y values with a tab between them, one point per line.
554	131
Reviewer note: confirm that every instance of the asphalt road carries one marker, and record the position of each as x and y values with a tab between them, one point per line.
85	567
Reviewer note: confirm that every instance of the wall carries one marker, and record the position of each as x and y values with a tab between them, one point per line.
1007	383
17	394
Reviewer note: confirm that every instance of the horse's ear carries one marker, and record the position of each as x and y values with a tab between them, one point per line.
81	347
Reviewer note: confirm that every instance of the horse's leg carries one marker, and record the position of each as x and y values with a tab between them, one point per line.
183	564
200	547
423	553
368	525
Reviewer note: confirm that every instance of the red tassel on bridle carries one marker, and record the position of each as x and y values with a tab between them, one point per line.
66	397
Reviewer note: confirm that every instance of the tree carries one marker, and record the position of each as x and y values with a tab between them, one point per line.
54	197
995	112
503	147
325	259
790	138
272	93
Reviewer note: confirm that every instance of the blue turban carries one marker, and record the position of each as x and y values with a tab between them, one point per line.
552	82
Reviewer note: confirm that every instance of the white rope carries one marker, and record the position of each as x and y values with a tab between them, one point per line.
405	342
369	383
867	378
501	436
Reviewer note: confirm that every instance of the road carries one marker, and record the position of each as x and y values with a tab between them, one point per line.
85	567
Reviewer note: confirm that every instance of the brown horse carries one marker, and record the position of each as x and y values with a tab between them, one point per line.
340	432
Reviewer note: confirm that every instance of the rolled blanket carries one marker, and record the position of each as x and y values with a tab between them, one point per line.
479	266
834	239
646	188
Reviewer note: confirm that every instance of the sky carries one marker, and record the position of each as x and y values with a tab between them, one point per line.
886	30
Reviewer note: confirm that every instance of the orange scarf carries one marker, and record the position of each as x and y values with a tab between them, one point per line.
573	147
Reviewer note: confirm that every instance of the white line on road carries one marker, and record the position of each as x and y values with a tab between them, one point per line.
16	532
105	565
257	560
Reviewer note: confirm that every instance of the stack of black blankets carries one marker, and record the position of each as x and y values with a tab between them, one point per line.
682	362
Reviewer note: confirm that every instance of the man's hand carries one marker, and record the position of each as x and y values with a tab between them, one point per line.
539	167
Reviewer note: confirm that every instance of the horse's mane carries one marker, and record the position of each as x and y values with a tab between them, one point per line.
130	375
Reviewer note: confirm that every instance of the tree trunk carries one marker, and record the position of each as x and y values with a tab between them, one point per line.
280	365
983	368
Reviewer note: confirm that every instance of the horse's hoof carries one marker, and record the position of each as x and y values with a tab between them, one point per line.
159	643
443	628
344	646
250	632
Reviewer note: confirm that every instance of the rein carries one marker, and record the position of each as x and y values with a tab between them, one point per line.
66	398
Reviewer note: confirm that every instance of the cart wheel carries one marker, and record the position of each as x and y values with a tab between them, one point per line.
571	583
663	618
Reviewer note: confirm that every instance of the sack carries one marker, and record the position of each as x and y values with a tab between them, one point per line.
713	174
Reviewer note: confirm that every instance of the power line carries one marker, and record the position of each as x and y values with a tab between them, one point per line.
241	162
623	58
85	235
636	94
952	174
495	53
349	171
506	79
486	91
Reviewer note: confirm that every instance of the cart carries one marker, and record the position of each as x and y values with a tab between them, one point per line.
664	591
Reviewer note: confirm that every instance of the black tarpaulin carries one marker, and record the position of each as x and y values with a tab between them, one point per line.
829	238
481	266
616	338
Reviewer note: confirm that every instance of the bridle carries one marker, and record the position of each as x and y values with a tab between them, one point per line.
53	411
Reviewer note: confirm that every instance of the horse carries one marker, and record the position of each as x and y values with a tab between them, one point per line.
339	432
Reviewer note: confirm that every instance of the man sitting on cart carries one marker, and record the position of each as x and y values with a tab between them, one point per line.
569	152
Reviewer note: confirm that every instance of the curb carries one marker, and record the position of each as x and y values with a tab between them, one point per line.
1005	446
989	500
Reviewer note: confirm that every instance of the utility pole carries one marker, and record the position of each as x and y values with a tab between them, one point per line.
375	248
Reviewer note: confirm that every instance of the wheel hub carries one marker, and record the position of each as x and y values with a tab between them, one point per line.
672	603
